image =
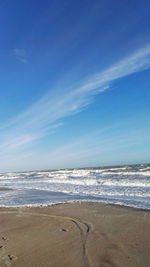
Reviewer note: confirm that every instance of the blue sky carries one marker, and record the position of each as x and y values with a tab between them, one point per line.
74	83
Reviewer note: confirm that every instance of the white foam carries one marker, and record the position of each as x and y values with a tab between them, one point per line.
125	182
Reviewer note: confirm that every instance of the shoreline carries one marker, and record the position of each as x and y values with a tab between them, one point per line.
74	202
95	234
6	189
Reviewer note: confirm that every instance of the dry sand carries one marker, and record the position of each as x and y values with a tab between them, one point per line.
70	235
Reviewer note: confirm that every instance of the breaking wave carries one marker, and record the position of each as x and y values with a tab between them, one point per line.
127	185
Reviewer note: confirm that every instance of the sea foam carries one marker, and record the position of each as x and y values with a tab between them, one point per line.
126	185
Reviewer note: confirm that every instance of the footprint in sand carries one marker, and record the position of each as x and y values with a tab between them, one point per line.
12	257
5	259
64	230
4	238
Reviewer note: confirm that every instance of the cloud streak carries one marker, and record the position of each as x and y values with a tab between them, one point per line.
61	102
20	55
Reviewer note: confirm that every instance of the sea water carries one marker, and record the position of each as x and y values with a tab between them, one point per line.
122	185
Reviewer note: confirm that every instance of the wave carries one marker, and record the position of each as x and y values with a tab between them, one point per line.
128	184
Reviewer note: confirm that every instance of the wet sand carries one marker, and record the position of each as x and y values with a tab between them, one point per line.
5	189
74	235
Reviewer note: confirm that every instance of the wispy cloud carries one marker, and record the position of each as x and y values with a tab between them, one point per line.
20	55
96	148
61	102
15	142
136	62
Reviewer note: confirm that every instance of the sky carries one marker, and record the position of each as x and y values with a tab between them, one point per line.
74	83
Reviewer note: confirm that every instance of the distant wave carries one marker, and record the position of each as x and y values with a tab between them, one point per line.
127	185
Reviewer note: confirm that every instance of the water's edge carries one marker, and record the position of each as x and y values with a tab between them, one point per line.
125	186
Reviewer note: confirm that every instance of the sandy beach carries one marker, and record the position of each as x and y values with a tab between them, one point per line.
75	235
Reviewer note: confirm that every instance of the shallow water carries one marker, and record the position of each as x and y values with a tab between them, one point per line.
125	185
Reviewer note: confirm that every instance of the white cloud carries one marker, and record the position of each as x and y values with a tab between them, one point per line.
16	142
58	103
20	55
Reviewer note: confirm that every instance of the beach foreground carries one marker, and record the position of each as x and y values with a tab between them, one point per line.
87	234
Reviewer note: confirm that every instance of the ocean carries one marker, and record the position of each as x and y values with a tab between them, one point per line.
121	185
